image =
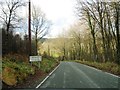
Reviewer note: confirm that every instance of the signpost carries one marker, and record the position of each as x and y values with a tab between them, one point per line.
36	58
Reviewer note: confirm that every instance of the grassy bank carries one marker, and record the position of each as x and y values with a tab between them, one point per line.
108	66
46	65
16	68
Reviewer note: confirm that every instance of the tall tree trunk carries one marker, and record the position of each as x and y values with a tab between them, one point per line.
48	50
7	49
95	48
100	11
36	41
64	51
92	28
117	31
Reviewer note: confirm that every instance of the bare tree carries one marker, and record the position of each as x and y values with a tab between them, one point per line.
9	15
116	6
40	25
102	17
85	13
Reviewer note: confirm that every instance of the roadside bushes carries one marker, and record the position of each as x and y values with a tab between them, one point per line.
14	70
47	64
16	58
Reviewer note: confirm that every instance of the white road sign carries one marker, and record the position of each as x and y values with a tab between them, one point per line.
35	58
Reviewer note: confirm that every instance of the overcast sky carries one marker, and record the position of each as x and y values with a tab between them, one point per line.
60	12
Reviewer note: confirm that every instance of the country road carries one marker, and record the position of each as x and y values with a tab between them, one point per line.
75	75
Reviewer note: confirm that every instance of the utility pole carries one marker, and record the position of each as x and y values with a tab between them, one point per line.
29	27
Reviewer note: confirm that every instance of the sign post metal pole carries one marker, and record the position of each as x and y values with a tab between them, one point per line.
39	64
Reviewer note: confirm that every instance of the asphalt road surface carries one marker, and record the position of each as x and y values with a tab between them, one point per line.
75	75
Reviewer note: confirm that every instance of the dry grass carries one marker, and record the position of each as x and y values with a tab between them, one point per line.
108	66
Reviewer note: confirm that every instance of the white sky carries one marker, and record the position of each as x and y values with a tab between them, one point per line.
60	12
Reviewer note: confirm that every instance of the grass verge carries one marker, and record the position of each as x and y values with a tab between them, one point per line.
47	64
15	72
108	66
16	69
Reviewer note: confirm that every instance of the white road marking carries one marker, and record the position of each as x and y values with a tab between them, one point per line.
112	75
47	77
101	70
89	79
64	80
42	82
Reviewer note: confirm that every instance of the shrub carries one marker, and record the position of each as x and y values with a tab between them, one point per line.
46	65
14	72
16	58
